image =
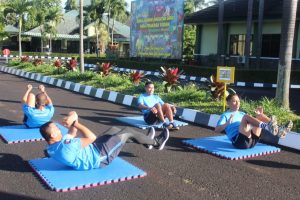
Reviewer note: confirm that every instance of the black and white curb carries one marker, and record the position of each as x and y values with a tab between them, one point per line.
37	57
203	79
292	140
183	77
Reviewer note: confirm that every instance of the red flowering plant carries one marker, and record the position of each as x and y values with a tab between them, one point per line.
136	77
38	61
72	64
217	88
57	63
105	68
24	58
170	78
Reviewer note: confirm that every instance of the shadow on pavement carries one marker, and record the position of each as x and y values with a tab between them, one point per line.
9	196
175	144
273	164
13	162
73	107
126	154
5	122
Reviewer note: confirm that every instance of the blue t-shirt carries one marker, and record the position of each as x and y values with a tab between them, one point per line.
69	152
233	128
149	100
36	117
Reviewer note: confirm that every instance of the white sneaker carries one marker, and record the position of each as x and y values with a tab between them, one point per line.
272	126
151	134
283	130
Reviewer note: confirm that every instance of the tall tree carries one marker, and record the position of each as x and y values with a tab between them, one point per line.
47	14
17	10
71	5
81	37
118	10
286	51
55	16
220	31
2	21
94	13
248	33
259	31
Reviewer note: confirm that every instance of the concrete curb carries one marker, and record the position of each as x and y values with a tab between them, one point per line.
203	79
183	77
292	140
41	57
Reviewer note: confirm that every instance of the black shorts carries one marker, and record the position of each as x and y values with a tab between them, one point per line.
241	141
109	146
150	118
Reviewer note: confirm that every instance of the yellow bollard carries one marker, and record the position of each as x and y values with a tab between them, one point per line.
224	97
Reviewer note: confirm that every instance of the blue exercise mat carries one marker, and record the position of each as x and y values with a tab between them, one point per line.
138	121
61	178
19	133
221	146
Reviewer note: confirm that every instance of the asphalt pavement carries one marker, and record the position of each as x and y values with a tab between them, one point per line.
177	172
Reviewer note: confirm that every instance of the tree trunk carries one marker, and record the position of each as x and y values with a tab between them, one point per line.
108	20
220	32
248	34
50	45
286	51
112	32
42	43
81	38
97	41
260	30
20	37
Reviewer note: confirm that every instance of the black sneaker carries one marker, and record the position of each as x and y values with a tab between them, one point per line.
151	134
161	139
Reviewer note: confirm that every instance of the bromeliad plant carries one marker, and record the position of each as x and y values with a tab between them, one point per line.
72	64
136	77
217	88
38	61
104	68
24	58
170	78
57	63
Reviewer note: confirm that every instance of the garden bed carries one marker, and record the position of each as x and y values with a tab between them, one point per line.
192	96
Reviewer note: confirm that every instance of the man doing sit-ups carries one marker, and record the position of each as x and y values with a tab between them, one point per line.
89	152
38	109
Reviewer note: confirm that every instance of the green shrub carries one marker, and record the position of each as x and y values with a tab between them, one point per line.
190	97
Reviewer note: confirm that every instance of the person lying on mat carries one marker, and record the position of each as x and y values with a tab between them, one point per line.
88	151
38	109
244	130
154	109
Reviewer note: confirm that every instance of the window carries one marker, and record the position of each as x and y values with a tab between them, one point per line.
237	45
270	45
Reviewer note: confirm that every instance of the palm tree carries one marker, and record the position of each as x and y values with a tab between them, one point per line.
47	14
259	31
1	18
81	38
113	7
286	50
70	5
248	33
220	31
118	10
17	10
55	16
94	13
